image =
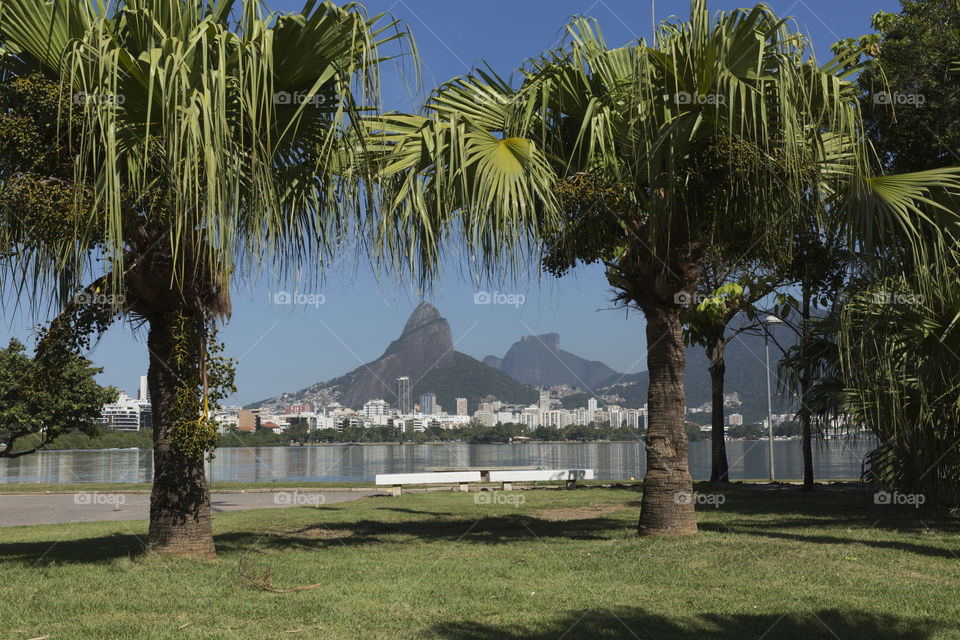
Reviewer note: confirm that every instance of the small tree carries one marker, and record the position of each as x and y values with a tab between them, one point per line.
726	292
46	396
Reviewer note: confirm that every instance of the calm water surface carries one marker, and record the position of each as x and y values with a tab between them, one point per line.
832	459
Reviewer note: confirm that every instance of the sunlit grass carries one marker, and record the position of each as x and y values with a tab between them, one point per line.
536	565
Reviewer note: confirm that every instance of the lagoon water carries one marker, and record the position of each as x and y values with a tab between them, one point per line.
832	459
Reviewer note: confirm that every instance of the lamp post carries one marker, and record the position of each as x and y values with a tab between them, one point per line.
767	321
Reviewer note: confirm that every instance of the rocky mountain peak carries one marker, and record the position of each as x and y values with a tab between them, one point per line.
424	314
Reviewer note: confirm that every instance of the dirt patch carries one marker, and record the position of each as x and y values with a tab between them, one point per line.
579	513
318	532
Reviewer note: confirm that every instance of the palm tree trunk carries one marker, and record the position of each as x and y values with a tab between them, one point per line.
180	500
805	417
719	469
667	504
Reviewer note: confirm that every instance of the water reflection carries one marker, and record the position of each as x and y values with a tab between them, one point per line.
611	461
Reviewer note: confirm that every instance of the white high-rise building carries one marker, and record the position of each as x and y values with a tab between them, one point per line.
143	395
615	415
531	417
634	418
486	418
122	415
591	409
376	408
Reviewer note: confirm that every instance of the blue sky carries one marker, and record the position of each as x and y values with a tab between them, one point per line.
284	348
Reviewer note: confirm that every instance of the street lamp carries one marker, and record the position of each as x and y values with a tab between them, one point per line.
767	321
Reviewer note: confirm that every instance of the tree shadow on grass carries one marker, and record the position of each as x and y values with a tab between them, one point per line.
840	504
415	511
81	551
632	622
895	545
486	530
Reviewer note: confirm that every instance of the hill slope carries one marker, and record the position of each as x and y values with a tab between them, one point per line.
539	361
471	379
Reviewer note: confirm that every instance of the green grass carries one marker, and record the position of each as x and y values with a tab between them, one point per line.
776	562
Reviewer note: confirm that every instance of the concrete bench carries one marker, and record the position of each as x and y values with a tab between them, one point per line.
543	475
397	480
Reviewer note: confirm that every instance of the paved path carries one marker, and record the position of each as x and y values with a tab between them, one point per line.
29	509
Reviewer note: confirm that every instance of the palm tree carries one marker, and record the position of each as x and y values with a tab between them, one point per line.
640	158
194	143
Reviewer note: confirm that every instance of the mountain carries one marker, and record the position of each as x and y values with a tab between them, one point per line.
473	380
744	382
424	353
426	343
493	361
539	361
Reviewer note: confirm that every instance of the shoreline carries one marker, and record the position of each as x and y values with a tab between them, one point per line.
434	443
365	486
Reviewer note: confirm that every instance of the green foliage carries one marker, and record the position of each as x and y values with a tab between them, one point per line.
551	434
104	439
594	214
910	94
747	432
884	356
902	379
577	400
43	397
694	434
204	377
192	146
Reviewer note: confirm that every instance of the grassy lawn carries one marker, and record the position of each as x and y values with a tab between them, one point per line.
767	563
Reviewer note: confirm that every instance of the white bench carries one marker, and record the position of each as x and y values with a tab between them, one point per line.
542	475
397	480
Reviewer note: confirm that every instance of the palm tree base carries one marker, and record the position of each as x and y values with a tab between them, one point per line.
667	505
185	535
